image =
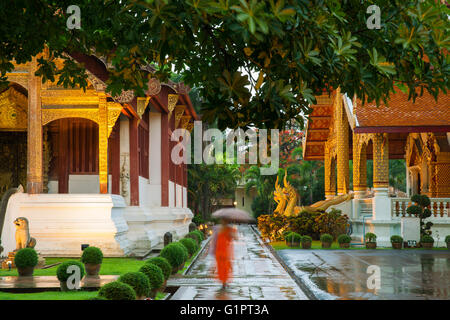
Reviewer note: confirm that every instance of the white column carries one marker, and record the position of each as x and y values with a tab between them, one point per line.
155	158
125	159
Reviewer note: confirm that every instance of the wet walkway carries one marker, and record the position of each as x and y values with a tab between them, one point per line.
257	275
344	274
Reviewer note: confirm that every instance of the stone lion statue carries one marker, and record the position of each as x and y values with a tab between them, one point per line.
23	239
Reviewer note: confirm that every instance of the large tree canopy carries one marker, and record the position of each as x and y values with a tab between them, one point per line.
255	62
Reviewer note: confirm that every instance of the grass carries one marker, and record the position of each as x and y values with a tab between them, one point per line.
111	266
58	295
316	245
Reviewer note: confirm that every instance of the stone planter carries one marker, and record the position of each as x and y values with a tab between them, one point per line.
293	244
92	270
371	245
397	245
428	245
25	271
326	245
306	245
344	245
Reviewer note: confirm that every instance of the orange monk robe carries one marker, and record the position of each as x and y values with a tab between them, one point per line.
224	253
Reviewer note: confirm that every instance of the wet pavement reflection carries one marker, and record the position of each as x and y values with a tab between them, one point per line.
257	275
343	274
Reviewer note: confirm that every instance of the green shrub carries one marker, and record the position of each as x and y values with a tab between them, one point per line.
138	281
194	236
26	257
183	248
306	239
326	237
293	237
343	238
154	275
163	264
414	210
200	235
396	239
92	255
97	298
420	210
333	222
190	245
447	238
174	254
198	220
61	271
371	237
427	239
117	290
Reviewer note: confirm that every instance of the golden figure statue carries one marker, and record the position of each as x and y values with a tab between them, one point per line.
287	198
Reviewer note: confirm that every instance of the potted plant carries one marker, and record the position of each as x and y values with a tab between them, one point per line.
371	240
25	260
306	242
397	242
92	258
293	239
427	241
155	277
164	265
327	240
447	241
139	282
344	241
63	274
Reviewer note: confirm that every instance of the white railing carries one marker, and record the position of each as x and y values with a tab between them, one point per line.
440	207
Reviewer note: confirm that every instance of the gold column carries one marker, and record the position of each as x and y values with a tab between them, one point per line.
342	133
103	142
380	160
330	174
359	164
34	134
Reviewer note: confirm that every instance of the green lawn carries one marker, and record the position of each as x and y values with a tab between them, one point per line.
58	295
114	266
316	244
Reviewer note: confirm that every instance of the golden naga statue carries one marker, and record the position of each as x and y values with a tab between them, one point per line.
23	239
287	198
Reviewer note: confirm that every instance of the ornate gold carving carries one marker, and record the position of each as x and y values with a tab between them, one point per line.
171	102
125	96
13	110
49	115
179	110
103	143
190	126
98	84
142	103
184	121
114	111
154	87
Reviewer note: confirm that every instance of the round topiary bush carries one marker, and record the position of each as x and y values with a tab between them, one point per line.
447	238
343	238
293	237
427	239
306	239
174	254
117	290
190	245
396	239
63	275
200	235
138	281
154	275
185	251
26	257
326	238
163	264
92	255
194	236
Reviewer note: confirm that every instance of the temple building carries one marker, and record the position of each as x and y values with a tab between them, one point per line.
341	129
85	167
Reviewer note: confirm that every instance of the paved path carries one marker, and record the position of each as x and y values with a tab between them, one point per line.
256	275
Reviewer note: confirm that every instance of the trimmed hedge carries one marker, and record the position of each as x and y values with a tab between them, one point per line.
200	235
396	239
447	238
427	239
174	254
343	238
183	248
306	239
190	245
26	257
326	237
63	275
293	237
92	255
117	290
194	235
138	281
371	237
163	264
154	275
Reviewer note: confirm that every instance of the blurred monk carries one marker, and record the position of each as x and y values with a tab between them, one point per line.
223	245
